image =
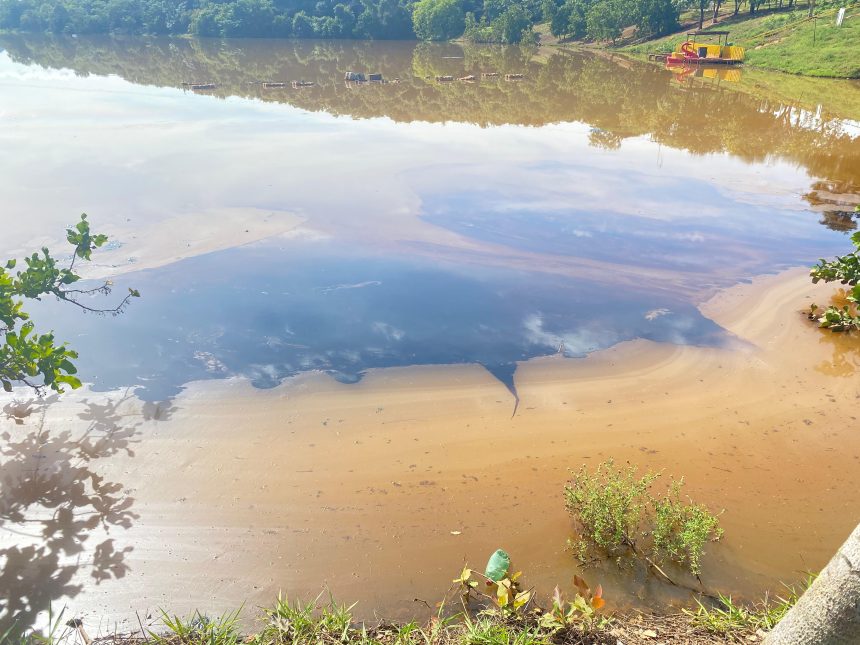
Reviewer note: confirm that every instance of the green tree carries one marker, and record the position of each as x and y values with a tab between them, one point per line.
605	20
512	26
438	19
657	17
559	24
207	21
548	9
26	356
303	25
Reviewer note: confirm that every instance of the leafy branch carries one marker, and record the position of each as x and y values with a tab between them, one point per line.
35	359
846	270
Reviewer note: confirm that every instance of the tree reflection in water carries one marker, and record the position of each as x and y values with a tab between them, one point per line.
845	358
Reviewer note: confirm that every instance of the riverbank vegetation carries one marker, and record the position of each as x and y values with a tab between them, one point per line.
844	269
771	30
327	622
791	39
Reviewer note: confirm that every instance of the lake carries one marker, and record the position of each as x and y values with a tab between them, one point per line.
466	253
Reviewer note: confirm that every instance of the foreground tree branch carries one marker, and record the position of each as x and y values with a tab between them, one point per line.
34	359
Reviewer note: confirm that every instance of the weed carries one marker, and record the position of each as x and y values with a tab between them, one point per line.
199	629
488	630
581	614
682	530
506	595
617	515
58	632
727	616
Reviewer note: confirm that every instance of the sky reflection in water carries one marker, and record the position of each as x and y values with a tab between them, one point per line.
425	241
283	311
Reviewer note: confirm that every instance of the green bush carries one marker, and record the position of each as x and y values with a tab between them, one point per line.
438	19
846	270
617	515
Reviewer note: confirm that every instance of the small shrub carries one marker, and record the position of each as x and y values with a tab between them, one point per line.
609	505
681	530
846	270
618	515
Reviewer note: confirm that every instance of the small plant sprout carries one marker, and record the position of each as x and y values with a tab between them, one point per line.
503	594
581	613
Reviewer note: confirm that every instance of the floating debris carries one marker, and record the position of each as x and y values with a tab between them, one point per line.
200	86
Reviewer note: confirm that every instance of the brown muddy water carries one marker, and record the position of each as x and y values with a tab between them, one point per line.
381	322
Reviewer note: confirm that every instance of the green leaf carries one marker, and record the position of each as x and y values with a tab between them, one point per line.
71	381
521	599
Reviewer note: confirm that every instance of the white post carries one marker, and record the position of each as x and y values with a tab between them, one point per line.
840	16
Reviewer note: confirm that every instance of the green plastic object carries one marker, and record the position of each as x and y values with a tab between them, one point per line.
498	565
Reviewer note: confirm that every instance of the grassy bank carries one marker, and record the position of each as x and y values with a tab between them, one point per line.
296	623
788	41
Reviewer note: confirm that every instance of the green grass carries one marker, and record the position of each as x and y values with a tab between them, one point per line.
788	41
288	622
731	617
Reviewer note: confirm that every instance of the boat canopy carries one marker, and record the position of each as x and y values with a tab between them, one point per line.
721	35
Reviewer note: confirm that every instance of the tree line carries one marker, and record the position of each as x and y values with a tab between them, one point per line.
501	21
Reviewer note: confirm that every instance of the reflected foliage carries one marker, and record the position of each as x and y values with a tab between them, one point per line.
619	98
54	504
836	203
844	358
